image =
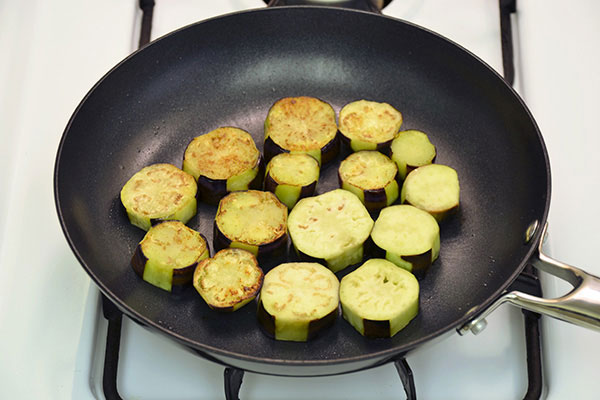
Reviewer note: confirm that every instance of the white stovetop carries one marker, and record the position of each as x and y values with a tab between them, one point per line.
53	52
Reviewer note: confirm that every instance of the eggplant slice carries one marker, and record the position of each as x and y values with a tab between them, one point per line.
301	125
222	161
411	149
433	188
229	280
168	254
408	236
297	301
330	229
369	125
292	176
379	299
371	176
159	192
255	221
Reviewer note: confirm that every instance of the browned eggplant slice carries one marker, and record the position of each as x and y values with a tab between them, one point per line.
369	125
433	188
411	149
168	254
371	176
229	280
292	176
159	192
297	301
379	299
252	220
331	228
301	125
222	161
409	236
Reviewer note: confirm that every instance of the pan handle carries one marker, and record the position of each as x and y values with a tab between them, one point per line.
581	306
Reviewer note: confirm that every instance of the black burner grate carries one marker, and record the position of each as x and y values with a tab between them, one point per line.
527	282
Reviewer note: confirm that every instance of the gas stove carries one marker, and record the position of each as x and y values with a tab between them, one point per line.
51	315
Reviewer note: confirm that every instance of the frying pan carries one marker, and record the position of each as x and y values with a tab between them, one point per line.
228	71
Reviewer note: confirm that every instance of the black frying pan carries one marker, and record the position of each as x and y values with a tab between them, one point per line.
228	71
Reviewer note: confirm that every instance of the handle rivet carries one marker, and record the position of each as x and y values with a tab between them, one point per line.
479	326
531	230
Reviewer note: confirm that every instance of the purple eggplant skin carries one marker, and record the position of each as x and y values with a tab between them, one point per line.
138	261
220	241
375	199
420	264
271	149
257	182
270	185
210	191
410	168
308	190
268	255
328	152
440	216
316	326
182	277
303	257
383	147
274	253
376	329
266	320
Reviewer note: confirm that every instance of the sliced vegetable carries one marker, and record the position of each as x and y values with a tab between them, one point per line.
301	125
433	188
229	280
222	161
411	149
254	221
292	176
369	125
159	192
371	176
168	254
379	299
330	229
297	301
409	236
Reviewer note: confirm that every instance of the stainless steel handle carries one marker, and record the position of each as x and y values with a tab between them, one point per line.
581	306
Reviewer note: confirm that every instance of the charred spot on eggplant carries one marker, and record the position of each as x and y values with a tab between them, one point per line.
292	176
371	176
252	220
301	125
222	161
332	227
229	280
168	254
409	236
369	125
379	299
159	192
298	301
433	188
411	149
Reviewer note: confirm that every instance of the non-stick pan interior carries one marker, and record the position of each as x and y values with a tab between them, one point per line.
228	71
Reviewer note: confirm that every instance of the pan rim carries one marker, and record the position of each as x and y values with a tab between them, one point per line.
378	355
